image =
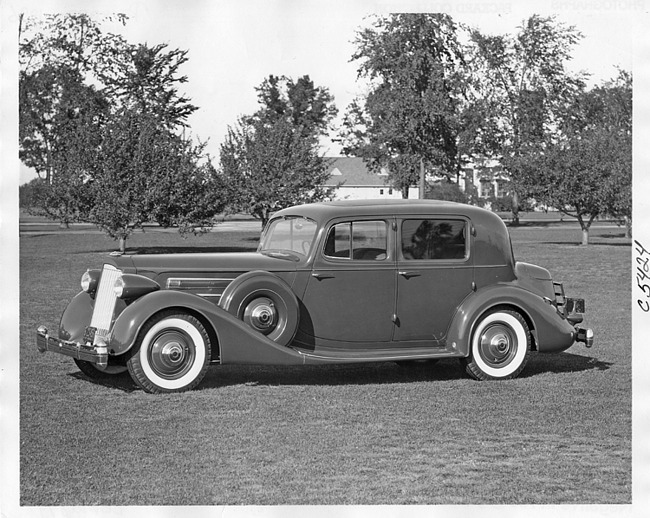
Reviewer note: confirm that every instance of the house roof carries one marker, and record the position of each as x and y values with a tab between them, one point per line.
352	172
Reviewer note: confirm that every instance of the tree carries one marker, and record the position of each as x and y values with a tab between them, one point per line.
524	89
268	167
307	108
586	169
445	190
60	56
148	83
60	140
410	117
270	159
146	173
105	123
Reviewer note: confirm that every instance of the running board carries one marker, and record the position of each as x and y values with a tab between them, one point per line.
379	355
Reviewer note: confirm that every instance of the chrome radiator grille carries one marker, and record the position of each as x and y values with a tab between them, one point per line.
105	301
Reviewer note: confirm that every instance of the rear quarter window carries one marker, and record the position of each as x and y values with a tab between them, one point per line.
434	238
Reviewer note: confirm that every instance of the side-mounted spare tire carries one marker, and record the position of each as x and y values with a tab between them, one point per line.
264	302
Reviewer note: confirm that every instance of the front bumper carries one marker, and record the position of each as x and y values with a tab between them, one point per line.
97	354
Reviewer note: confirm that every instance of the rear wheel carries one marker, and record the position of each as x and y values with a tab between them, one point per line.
500	346
172	353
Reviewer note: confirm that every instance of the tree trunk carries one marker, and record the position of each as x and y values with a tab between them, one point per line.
405	191
515	208
122	244
421	189
585	228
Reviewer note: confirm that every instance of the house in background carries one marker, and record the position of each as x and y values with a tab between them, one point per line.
358	183
488	178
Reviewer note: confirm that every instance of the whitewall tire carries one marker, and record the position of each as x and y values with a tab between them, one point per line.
172	353
500	346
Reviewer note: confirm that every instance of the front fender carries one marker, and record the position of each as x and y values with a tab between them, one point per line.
237	342
552	332
78	315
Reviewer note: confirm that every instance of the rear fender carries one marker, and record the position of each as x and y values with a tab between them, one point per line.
552	333
237	342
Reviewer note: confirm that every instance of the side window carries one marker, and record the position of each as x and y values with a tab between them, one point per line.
424	239
357	240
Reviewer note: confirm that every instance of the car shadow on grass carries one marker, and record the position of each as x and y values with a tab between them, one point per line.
385	373
591	243
356	374
559	363
122	382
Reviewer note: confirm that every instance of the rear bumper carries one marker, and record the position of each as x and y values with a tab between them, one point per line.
585	335
97	354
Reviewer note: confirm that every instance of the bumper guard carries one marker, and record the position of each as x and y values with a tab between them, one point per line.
97	354
586	336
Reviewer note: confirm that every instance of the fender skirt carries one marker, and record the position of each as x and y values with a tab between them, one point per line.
238	343
551	331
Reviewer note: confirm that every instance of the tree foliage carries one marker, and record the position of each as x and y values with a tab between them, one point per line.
309	109
270	160
104	121
445	190
414	65
148	83
268	167
522	89
60	125
586	170
147	173
63	59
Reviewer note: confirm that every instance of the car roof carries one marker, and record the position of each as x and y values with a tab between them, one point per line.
492	240
327	210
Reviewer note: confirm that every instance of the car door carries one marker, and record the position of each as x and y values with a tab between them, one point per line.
350	295
434	274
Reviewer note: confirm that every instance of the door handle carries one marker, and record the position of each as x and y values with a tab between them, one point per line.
321	276
408	274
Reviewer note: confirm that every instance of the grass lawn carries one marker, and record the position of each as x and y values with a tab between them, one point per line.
350	434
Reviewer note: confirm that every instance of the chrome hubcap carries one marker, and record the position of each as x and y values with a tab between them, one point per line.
498	345
261	315
171	354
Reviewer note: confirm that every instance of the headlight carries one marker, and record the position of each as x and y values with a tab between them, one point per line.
89	281
131	286
118	287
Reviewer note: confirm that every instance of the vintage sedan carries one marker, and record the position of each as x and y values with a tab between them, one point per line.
338	282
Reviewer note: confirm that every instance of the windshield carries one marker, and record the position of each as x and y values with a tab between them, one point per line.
295	234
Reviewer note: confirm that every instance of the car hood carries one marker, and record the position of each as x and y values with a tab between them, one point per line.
208	262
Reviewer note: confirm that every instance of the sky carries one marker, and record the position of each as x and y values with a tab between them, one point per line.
233	45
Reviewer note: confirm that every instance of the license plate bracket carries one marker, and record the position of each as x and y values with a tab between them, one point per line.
89	335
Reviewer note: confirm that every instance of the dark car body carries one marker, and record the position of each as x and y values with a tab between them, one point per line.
331	282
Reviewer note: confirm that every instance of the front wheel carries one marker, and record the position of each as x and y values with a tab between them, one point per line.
500	346
172	353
